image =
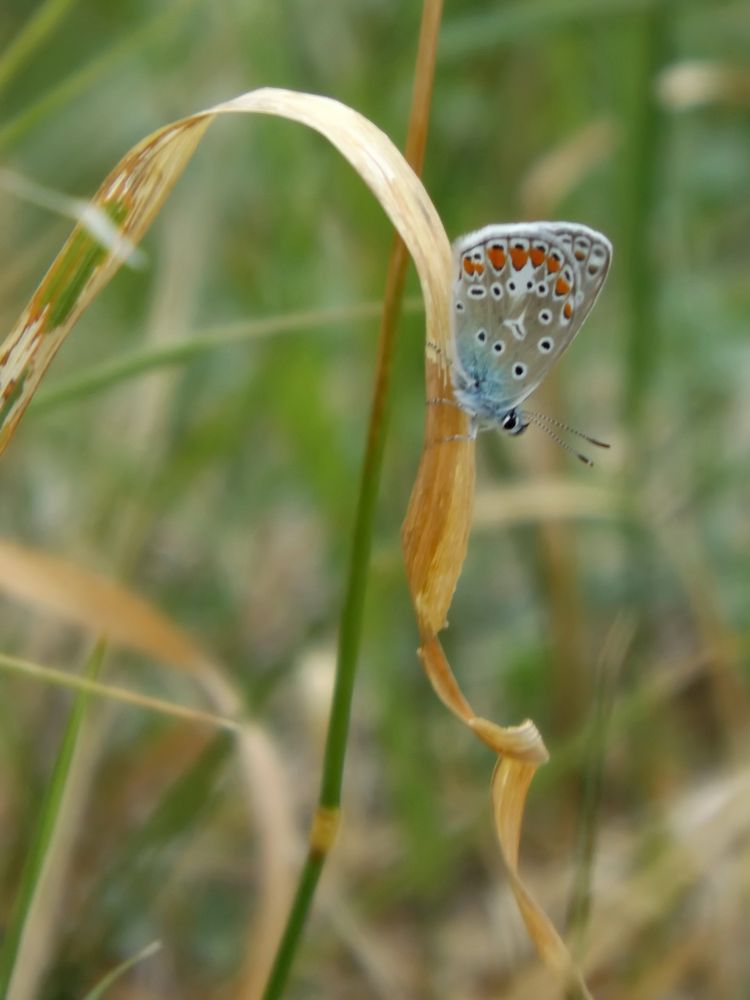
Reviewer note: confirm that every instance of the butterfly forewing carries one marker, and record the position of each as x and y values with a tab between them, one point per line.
520	296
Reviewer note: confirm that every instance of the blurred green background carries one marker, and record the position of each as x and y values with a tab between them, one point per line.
610	605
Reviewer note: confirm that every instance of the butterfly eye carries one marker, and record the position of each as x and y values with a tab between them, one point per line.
513	422
519	371
546	344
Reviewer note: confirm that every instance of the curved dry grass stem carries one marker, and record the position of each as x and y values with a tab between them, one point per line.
510	784
436	529
435	538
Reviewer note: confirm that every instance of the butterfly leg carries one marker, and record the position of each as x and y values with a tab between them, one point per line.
453	437
437	349
442	402
471	436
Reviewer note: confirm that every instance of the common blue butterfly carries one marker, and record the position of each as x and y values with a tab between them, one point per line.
520	296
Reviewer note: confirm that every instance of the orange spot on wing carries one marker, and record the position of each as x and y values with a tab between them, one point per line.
473	266
519	257
562	287
496	257
580	255
537	256
567	310
553	264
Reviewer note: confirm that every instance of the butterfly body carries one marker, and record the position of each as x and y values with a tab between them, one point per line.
520	295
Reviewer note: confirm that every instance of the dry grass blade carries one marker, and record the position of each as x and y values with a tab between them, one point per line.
101	605
140	956
135	190
434	537
130	197
510	783
437	524
96	603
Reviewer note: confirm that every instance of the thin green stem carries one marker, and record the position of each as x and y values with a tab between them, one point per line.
350	632
351	619
295	923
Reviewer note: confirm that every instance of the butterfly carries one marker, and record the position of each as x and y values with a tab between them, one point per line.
520	296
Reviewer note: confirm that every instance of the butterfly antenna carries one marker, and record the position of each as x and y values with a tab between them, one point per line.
542	418
533	417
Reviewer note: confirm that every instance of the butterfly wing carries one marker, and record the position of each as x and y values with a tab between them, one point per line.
521	294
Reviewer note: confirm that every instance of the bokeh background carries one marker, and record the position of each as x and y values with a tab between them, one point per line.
609	605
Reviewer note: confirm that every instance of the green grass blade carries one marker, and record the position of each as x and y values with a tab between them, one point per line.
46	827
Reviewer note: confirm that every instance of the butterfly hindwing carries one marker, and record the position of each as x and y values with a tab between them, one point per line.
520	296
